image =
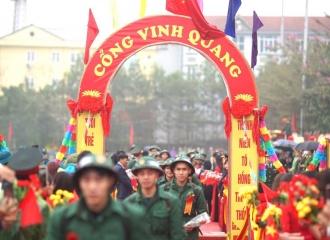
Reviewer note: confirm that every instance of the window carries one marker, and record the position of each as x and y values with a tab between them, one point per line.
29	82
267	44
30	57
55	57
239	41
74	57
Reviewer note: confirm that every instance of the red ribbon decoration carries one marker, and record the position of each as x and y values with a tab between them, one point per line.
95	105
241	236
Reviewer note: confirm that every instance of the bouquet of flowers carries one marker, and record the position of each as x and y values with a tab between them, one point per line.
61	198
133	179
210	178
305	197
250	195
272	211
198	220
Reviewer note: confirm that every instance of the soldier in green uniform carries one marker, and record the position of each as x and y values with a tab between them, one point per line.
168	176
95	215
154	149
163	218
190	195
26	163
136	154
164	154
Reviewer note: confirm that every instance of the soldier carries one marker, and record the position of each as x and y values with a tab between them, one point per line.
163	218
190	195
136	154
197	162
153	150
271	171
95	215
168	176
26	163
164	154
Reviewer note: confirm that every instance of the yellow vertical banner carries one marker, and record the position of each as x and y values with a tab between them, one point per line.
243	153
143	7
114	14
90	137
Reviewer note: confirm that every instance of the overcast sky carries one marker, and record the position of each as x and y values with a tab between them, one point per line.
71	15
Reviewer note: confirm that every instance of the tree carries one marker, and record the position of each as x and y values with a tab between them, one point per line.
280	84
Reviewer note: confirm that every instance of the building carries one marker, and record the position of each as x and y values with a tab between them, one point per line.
36	57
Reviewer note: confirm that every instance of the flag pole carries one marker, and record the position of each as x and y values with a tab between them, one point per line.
303	79
282	24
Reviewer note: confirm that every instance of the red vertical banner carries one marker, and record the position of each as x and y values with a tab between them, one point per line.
10	131
131	133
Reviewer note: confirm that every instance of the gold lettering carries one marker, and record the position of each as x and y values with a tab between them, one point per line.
177	31
204	44
163	30
227	60
116	50
216	50
153	31
97	72
234	71
127	42
143	33
194	37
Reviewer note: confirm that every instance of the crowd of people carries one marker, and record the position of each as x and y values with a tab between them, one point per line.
136	194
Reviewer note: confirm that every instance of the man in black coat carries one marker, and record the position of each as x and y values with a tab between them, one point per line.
124	186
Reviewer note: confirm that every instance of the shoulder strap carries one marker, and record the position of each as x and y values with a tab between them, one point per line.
167	186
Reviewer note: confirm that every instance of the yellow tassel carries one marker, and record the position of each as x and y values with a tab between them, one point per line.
143	7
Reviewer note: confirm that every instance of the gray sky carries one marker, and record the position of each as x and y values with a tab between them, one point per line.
70	16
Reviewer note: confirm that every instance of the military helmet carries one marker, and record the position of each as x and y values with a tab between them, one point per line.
165	151
91	161
168	162
147	162
182	159
154	147
199	156
136	150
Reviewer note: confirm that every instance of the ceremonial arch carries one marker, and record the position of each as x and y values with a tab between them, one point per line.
240	107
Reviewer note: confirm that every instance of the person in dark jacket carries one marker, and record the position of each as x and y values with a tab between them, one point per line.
124	186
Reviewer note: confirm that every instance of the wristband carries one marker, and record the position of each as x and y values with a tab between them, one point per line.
328	231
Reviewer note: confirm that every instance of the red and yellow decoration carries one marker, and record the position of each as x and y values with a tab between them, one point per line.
24	192
189	204
305	198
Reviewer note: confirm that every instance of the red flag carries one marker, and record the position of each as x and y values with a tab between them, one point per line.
131	134
92	32
192	8
271	230
31	214
293	122
10	131
269	194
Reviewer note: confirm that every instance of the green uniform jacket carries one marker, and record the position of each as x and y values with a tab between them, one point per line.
114	222
195	180
199	204
34	232
131	163
163	218
162	180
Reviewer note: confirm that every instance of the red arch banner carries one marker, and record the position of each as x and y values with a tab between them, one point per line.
149	31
